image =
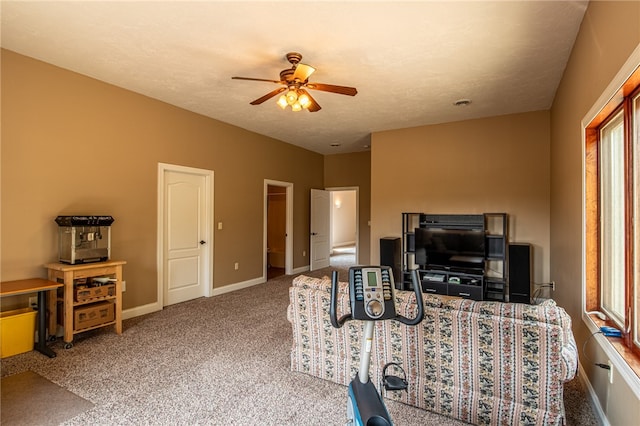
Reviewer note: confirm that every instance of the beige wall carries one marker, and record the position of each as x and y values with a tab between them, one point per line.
353	170
609	33
343	215
75	145
498	164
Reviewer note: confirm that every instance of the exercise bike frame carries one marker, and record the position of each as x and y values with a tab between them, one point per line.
365	405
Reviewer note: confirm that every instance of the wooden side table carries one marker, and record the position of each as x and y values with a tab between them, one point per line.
92	310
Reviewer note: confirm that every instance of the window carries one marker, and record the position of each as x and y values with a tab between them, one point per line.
636	214
612	167
612	226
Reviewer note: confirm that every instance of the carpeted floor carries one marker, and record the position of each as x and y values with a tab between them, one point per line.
343	257
220	360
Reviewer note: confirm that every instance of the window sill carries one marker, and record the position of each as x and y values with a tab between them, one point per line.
621	357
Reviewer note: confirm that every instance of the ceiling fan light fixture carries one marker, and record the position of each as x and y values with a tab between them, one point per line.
282	101
304	100
296	82
292	97
303	72
296	99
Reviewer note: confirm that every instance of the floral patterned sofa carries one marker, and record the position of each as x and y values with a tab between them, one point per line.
480	362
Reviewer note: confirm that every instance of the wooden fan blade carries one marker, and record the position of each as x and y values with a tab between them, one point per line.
342	90
257	79
303	72
313	105
268	96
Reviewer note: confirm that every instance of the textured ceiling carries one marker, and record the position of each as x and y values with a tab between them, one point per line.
410	61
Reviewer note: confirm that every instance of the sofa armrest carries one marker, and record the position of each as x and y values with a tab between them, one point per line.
569	354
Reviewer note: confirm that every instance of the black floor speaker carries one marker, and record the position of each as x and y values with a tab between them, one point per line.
520	273
390	256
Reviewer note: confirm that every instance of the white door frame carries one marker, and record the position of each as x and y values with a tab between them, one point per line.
208	175
357	189
288	244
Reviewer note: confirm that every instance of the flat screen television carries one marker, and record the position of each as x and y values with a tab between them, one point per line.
456	249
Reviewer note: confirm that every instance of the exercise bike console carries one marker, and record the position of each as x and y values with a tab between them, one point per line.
373	294
372	298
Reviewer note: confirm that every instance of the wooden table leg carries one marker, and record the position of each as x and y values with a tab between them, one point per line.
68	307
119	300
52	304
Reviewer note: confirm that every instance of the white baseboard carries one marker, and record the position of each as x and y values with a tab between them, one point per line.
237	286
593	398
301	269
345	244
141	310
154	307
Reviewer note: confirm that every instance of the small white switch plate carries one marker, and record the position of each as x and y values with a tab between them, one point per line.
124	286
219	225
236	266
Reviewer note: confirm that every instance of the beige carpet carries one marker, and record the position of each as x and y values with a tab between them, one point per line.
30	399
343	257
222	360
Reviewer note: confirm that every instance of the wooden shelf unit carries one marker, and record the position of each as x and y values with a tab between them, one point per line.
68	275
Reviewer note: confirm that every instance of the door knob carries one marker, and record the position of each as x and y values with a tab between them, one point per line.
314	233
203	242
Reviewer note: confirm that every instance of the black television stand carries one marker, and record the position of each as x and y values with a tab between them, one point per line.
452	283
460	277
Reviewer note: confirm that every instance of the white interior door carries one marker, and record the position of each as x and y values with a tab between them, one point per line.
320	229
186	269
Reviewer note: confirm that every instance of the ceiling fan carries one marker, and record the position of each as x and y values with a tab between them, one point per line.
296	82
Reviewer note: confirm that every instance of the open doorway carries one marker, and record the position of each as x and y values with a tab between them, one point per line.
278	233
344	227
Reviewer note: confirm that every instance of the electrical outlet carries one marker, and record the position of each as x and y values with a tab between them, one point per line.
33	301
124	286
304	253
236	266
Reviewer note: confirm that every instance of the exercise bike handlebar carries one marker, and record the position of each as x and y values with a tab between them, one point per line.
339	322
417	289
335	322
